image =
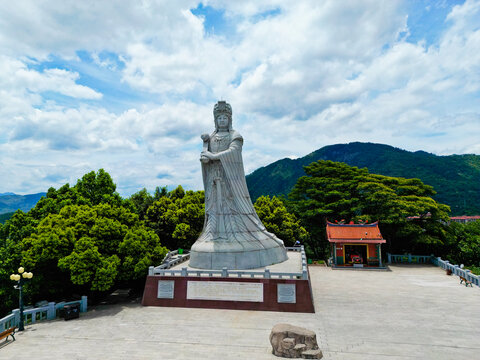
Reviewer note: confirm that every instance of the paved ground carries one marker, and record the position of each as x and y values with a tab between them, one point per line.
411	312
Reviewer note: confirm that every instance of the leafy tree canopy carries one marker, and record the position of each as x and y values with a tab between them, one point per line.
279	221
92	189
466	248
142	200
81	239
95	247
336	191
177	217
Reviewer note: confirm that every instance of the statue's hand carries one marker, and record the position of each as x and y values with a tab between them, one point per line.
204	159
208	155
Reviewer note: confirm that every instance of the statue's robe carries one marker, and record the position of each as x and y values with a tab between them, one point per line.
233	236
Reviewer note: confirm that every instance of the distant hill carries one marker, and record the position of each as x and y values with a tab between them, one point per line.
456	178
5	217
11	202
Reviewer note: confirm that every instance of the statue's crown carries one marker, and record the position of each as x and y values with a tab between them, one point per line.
222	107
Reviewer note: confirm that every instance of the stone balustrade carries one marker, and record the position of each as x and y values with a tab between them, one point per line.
173	259
47	312
437	261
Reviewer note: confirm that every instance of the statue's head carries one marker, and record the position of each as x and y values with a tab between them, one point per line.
221	111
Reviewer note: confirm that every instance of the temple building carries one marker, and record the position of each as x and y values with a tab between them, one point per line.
355	245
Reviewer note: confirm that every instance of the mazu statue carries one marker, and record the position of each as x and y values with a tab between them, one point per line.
233	236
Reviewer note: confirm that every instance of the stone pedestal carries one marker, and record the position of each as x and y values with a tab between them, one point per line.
228	293
232	255
280	287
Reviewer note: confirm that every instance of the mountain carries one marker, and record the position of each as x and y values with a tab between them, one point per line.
5	217
12	202
455	178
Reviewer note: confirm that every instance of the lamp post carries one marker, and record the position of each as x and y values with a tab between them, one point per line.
21	278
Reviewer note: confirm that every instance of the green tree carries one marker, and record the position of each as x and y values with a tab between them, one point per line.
177	217
279	221
19	226
10	258
98	188
77	240
466	248
141	201
92	189
90	248
336	191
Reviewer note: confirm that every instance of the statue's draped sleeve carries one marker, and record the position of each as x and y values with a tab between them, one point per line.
233	236
232	163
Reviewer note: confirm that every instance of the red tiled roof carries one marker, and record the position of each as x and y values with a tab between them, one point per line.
368	233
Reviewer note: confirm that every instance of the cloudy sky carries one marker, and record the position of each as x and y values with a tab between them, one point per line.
129	86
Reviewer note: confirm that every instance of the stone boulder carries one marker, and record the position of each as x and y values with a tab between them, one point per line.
290	341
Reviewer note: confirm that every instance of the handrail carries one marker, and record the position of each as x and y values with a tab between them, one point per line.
164	269
409	259
7	322
457	270
437	261
46	312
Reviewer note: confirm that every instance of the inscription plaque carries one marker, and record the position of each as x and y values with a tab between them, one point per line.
224	290
165	289
286	293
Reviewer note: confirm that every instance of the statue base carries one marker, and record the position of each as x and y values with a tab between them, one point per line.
215	255
282	287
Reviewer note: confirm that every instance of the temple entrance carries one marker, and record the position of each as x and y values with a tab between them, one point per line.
355	254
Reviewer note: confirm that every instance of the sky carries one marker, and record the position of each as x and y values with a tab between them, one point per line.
130	86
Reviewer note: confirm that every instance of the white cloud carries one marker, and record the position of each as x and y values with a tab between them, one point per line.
299	75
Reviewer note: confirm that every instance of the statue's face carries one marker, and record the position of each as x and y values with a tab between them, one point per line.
222	122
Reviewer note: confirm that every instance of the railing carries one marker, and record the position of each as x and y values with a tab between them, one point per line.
175	258
437	261
457	270
410	259
47	312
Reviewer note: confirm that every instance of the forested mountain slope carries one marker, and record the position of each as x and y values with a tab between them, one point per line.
10	202
456	178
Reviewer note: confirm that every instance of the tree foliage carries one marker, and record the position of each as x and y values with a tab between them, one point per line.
177	217
142	200
466	248
336	191
97	247
83	239
279	221
454	177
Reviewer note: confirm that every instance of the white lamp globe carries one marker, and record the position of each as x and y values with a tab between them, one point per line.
21	270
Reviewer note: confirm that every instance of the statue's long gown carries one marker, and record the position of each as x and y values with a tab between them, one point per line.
233	236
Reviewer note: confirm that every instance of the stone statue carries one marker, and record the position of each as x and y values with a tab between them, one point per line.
233	236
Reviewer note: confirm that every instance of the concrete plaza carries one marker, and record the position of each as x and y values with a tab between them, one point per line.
410	312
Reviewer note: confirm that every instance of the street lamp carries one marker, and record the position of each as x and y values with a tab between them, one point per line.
21	278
